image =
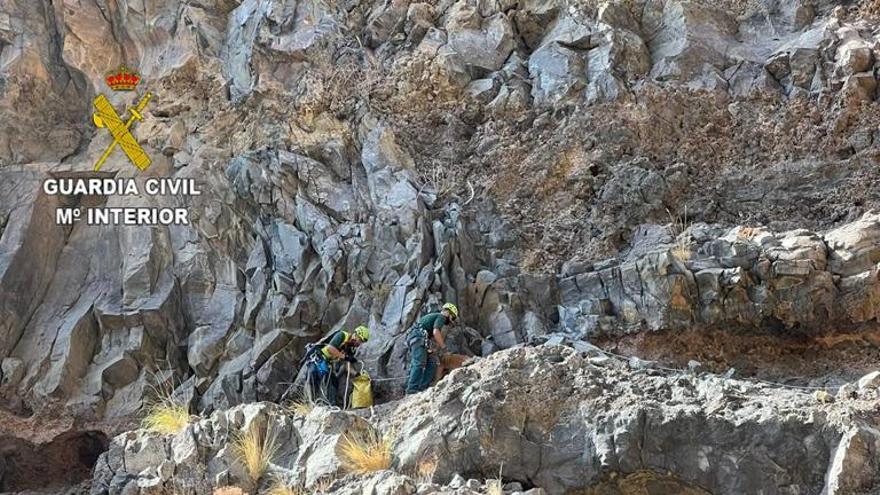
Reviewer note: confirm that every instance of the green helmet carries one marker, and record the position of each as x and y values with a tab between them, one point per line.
362	333
452	309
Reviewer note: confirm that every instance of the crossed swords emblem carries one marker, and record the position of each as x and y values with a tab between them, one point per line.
106	116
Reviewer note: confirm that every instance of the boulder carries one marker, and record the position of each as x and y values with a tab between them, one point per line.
482	45
871	381
558	73
799	277
593	431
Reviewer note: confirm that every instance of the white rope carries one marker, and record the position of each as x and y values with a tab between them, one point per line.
345	390
389	379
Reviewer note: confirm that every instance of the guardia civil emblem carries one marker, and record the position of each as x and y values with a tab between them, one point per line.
106	117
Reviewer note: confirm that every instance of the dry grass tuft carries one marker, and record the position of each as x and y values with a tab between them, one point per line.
367	452
494	487
166	418
229	490
280	488
323	485
746	233
380	291
870	8
255	449
425	469
301	407
164	414
681	250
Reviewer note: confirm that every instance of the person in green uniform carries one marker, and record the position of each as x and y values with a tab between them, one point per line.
322	361
423	339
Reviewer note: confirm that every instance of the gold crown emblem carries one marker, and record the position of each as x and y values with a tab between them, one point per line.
122	79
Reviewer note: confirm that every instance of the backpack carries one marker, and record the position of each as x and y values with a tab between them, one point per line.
311	348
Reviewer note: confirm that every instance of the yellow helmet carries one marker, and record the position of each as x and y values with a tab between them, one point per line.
452	309
362	333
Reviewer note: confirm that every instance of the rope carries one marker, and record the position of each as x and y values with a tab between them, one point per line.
389	379
345	390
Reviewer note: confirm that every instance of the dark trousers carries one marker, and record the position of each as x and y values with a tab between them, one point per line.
323	383
421	367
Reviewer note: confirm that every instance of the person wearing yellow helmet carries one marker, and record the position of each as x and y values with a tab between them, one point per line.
362	333
323	360
423	339
451	311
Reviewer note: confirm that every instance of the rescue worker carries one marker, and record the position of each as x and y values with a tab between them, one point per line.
322	361
424	340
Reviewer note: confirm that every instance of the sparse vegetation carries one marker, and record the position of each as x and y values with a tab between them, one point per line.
681	248
495	486
380	291
366	452
229	490
425	469
870	8
164	413
323	485
279	487
174	487
681	252
302	406
630	315
746	233
440	178
255	449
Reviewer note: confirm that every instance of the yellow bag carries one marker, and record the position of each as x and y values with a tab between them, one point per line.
362	391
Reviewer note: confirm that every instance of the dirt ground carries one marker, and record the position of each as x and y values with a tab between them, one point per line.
827	360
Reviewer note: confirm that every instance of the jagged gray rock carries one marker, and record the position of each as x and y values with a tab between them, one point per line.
543	417
312	130
742	277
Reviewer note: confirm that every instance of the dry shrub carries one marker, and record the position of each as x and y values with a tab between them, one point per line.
337	89
163	413
254	450
166	418
380	291
301	407
630	315
494	487
366	452
681	250
323	485
870	8
440	178
425	469
350	82
280	488
229	490
746	233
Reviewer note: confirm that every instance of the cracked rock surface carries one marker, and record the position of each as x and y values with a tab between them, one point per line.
595	169
549	417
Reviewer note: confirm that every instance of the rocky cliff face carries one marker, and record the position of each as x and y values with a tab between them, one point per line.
546	417
599	169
